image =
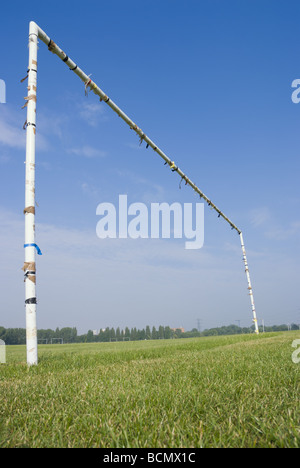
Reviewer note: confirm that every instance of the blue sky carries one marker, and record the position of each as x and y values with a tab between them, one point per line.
210	83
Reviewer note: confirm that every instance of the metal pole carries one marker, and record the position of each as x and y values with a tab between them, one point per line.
29	211
249	283
90	85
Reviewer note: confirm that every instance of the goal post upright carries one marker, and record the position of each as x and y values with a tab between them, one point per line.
36	32
249	284
29	211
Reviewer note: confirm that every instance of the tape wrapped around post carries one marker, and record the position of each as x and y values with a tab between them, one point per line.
39	252
29	209
32	278
29	266
32	300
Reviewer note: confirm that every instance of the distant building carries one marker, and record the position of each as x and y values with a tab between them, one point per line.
178	328
97	332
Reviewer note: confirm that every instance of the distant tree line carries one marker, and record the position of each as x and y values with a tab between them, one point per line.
15	336
70	335
234	329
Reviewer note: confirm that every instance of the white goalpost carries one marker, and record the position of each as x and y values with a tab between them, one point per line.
60	340
31	248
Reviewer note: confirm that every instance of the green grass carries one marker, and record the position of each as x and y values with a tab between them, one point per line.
230	391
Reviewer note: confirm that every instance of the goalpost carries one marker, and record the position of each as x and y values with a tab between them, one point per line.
60	340
42	340
31	248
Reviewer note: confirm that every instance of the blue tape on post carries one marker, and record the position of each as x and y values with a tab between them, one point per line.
36	246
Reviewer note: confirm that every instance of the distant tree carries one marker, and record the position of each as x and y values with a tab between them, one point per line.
74	335
45	334
154	333
112	334
106	334
148	333
68	334
133	334
14	336
90	336
178	333
191	334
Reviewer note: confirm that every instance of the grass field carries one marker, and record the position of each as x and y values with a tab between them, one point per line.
226	391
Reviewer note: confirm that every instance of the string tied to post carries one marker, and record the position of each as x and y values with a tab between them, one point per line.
23	79
142	137
86	84
31	97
